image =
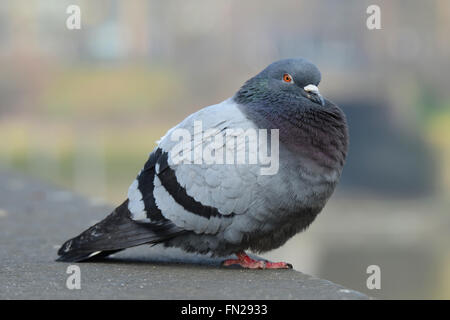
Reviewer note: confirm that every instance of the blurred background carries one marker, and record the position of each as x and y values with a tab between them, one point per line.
83	109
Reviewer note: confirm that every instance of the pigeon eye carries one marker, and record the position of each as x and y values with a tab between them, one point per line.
287	78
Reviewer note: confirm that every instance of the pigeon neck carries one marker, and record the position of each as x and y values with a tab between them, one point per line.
318	133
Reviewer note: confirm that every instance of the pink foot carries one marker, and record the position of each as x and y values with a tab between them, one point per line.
246	262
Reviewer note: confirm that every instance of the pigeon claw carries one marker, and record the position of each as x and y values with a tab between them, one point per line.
246	262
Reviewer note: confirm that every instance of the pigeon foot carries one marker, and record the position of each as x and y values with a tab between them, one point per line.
248	263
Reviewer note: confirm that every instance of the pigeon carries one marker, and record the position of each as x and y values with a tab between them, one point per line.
208	187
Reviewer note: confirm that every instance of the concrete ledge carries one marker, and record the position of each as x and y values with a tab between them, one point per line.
36	218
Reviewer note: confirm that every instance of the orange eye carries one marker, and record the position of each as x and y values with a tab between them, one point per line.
287	78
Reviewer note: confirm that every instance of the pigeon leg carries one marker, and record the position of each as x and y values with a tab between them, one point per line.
246	262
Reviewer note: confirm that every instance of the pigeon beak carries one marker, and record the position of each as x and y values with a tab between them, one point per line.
314	94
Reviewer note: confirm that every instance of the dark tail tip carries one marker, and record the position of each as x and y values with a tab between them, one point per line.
69	254
73	257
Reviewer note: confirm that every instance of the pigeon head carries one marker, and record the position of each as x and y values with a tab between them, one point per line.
283	80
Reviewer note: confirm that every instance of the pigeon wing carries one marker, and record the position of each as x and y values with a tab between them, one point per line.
198	196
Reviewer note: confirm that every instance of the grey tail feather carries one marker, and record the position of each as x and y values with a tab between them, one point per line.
115	233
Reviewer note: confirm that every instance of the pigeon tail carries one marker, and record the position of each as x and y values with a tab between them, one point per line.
115	233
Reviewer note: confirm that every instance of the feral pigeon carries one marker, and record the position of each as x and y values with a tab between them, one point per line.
245	174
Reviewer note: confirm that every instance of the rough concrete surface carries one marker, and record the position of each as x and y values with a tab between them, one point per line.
35	219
